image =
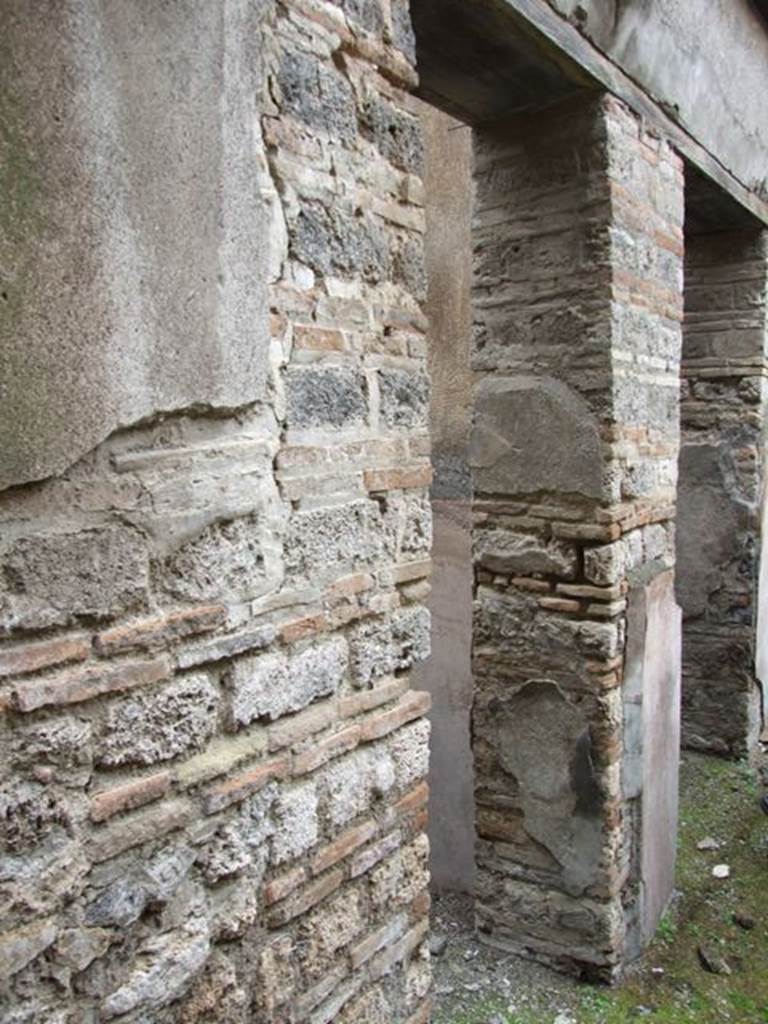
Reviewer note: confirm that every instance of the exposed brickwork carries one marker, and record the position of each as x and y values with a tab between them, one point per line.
212	747
577	308
721	485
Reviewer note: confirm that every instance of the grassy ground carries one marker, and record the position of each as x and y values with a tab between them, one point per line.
719	801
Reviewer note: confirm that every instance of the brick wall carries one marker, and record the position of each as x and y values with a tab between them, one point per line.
721	488
577	297
213	801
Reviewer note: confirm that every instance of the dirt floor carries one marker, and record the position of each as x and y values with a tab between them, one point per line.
708	963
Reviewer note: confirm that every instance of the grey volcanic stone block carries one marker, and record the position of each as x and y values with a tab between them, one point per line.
331	396
404	398
322	98
396	134
161	724
366	13
534	434
57	577
341	242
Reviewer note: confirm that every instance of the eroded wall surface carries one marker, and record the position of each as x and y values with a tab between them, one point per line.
212	805
577	334
721	490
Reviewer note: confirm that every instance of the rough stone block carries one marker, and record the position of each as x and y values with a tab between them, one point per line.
159	725
330	929
395	133
226	560
20	947
318	95
502	551
409	750
505	452
384	646
325	396
56	578
259	689
337	242
174	962
404	398
296	822
336	538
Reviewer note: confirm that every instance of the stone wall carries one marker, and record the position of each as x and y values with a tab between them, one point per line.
577	308
721	488
213	800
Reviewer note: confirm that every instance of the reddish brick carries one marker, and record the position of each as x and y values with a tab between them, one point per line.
367	700
298	629
238	788
303	901
348	586
149	634
412	705
407	571
368	858
340	848
32	657
298	727
420	906
413	800
333	746
389	933
397	479
386	960
129	796
283	886
423	1015
75	685
136	830
319	339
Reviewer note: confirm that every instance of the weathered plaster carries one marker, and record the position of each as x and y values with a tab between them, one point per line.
133	255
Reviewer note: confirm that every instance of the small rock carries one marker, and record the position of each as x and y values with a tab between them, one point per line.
744	921
470	954
641	1011
437	944
495	1019
708	843
721	871
658	971
712	961
472	986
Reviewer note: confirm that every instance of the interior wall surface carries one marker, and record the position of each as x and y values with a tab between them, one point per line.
213	790
721	490
577	305
684	54
447	675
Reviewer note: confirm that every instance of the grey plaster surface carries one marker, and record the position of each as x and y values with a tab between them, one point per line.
133	249
704	61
